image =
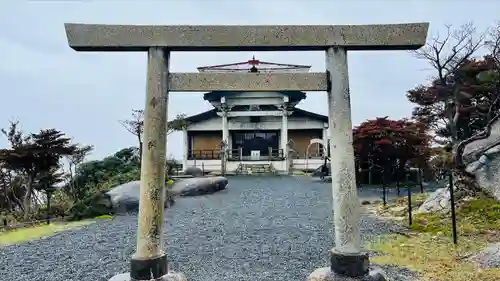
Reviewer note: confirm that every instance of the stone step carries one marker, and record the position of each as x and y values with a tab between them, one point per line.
255	169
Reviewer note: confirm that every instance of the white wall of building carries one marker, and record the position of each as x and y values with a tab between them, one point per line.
280	166
267	123
253	98
279	120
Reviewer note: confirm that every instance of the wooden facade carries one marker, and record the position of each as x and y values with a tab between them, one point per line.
302	139
206	144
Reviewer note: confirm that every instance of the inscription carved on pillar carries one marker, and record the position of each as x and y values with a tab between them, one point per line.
345	201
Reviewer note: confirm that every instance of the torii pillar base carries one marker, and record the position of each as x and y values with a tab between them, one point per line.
347	267
171	276
326	274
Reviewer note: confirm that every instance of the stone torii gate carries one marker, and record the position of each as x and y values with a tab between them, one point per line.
348	260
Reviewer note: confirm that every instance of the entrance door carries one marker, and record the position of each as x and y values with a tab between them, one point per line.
255	141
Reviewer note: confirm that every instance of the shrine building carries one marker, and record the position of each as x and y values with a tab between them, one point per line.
256	126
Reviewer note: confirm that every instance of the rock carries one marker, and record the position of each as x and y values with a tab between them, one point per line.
321	274
487	171
125	197
488	258
398	209
193	171
318	172
438	201
175	276
199	186
482	159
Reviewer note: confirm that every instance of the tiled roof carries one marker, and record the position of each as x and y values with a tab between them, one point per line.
297	112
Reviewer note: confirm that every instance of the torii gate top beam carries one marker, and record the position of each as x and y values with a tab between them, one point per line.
129	38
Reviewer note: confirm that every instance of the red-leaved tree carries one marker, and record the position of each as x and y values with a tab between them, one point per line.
390	145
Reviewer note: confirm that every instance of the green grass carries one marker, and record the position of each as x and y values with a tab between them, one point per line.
434	256
26	234
477	216
103	217
429	248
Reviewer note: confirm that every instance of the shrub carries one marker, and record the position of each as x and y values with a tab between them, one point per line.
56	211
93	206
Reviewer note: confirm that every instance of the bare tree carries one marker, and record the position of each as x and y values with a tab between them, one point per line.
463	97
135	125
492	42
74	160
179	123
490	80
492	76
440	105
446	54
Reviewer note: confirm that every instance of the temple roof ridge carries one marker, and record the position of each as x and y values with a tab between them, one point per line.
255	65
296	112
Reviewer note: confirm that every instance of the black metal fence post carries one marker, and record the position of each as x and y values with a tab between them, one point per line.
396	174
419	177
449	149
384	194
384	190
452	203
49	195
410	218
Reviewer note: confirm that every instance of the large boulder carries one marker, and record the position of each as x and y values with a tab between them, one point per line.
481	158
489	257
438	201
125	197
199	186
193	171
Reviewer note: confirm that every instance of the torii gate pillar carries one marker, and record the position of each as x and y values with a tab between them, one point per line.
348	261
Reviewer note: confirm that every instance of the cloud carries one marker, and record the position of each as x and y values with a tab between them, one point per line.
46	84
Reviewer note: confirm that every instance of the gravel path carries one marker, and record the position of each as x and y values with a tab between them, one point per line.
261	228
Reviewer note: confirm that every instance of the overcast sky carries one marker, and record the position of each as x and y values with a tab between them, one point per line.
45	84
